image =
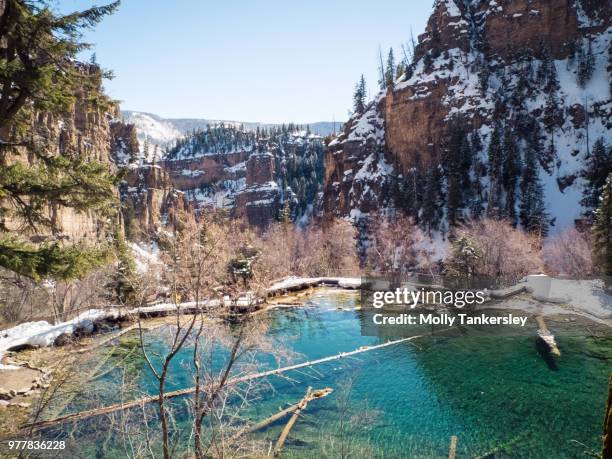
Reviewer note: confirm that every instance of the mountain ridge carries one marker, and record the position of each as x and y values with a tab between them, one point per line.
160	131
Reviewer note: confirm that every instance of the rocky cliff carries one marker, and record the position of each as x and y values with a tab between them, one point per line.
251	174
481	64
83	132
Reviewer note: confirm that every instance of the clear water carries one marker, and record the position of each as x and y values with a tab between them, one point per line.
488	386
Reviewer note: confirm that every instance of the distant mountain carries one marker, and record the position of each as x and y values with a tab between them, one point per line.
164	131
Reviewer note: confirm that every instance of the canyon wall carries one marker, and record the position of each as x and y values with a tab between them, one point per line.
467	63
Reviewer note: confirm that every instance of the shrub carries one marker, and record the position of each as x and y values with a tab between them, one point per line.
497	250
569	253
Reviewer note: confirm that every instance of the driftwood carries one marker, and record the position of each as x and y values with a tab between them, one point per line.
107	340
292	420
452	453
547	337
281	414
177	393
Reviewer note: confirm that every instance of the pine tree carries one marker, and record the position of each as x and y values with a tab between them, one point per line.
390	70
464	259
433	199
511	170
39	74
382	80
125	277
456	161
495	154
602	229
359	96
533	215
586	64
146	149
597	168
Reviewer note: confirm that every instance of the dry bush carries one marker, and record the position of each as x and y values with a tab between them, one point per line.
569	253
396	245
493	249
23	299
314	251
330	250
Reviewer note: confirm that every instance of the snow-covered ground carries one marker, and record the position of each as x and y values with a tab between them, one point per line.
146	256
44	334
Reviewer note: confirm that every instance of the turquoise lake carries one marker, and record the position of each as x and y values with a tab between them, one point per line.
489	386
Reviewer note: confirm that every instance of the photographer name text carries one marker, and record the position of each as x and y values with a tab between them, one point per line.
448	320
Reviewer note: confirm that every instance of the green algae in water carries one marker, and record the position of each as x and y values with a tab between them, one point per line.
493	390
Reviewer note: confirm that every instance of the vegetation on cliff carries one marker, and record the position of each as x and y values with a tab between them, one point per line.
39	77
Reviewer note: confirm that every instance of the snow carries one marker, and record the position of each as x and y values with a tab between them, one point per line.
192	173
44	334
146	256
267	186
369	126
451	8
238	167
294	282
155	131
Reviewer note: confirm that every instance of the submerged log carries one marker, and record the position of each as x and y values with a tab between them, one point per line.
547	337
452	452
177	393
292	420
320	393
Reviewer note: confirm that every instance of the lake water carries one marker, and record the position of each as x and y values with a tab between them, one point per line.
490	386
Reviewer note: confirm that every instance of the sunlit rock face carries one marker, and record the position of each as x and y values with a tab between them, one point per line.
260	201
472	55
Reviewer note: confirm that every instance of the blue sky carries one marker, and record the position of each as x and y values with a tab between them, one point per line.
248	60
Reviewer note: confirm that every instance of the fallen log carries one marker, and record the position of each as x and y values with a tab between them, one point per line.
177	393
292	420
281	414
547	337
452	453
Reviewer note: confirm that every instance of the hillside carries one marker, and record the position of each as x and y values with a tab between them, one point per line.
164	131
497	114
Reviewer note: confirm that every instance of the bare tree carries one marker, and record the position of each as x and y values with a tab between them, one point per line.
569	253
314	251
501	251
396	247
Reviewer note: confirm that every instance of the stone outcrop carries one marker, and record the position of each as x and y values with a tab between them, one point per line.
96	135
205	170
261	200
144	193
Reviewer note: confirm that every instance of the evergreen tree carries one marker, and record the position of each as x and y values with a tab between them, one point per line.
464	259
495	154
586	64
146	149
382	80
456	161
597	168
511	170
125	277
602	229
39	73
390	70
433	199
359	96
533	215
